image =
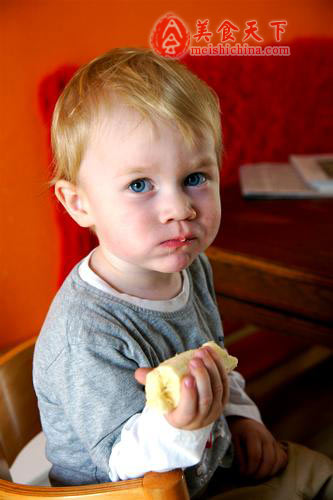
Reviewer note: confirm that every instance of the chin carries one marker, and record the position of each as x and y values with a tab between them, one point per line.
177	262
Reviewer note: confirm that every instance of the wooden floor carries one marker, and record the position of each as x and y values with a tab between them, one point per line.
302	410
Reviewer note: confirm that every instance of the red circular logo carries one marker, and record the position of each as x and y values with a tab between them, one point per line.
170	37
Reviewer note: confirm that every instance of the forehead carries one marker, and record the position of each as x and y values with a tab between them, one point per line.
127	123
120	124
123	138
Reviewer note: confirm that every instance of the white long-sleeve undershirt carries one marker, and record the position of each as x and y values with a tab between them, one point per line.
149	443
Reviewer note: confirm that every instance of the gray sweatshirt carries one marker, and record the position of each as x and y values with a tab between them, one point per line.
88	349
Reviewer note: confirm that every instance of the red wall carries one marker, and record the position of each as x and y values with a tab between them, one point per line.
38	36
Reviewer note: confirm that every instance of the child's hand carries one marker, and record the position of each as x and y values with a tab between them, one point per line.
204	392
258	454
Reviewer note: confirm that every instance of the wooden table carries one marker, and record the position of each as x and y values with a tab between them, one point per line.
273	264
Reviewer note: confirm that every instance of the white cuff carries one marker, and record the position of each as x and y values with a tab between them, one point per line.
245	411
240	404
149	443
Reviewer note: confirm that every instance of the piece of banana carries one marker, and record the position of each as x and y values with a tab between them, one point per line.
163	383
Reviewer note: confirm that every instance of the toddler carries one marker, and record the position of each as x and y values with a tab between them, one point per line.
137	147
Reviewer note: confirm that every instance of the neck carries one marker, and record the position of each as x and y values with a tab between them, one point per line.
140	283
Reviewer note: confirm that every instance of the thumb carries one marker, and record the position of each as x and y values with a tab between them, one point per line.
141	373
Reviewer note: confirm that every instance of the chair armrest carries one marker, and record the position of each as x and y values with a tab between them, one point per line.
167	485
4	469
153	486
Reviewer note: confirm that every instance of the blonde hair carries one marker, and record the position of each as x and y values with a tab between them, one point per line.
154	86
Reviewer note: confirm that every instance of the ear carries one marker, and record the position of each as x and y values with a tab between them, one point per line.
74	202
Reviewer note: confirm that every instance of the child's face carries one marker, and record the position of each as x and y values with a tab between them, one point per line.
146	190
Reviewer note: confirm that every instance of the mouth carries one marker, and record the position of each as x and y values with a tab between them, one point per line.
178	242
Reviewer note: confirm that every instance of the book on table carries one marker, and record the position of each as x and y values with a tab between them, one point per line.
305	176
315	170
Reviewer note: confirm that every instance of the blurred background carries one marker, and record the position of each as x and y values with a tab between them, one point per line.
36	38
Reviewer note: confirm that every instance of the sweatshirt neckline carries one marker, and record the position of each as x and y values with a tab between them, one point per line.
171	305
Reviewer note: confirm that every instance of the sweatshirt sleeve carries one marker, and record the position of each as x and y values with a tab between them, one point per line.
240	404
149	443
95	386
106	409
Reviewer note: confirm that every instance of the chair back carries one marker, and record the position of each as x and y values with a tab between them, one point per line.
19	415
20	422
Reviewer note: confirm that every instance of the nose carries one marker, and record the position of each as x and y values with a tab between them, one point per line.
176	206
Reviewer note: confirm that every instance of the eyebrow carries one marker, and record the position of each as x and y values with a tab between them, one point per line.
136	171
206	162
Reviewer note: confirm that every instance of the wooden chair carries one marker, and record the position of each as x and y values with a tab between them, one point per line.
19	423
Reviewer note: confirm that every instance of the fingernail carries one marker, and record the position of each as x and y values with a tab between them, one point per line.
189	382
194	363
201	354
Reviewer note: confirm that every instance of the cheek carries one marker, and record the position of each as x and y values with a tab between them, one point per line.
137	216
125	224
210	207
212	221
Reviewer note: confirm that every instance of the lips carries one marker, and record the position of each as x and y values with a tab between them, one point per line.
179	241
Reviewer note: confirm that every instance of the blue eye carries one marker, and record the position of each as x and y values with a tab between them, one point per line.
140	186
195	179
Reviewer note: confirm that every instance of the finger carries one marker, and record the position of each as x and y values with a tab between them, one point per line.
223	375
253	454
215	378
203	384
141	373
187	408
239	455
277	460
281	459
268	460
